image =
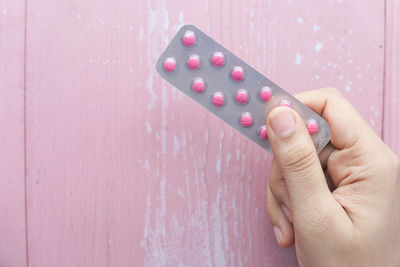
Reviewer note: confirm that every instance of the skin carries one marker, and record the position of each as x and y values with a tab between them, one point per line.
341	208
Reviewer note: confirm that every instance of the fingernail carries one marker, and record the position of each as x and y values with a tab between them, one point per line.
278	233
283	122
287	213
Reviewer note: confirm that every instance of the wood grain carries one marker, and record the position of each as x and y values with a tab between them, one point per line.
123	170
12	171
392	77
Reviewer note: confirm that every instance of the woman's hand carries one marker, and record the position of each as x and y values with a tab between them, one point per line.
341	208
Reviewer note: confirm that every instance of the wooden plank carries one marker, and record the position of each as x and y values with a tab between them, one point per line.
12	170
124	170
392	78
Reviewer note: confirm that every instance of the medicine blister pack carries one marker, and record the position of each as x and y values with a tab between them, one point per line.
231	89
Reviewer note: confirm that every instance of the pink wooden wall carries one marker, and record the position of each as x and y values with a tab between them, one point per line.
104	164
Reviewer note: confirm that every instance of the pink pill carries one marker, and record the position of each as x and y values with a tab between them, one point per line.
237	73
265	93
218	99
218	59
242	97
312	126
262	133
189	38
193	62
198	85
285	103
170	64
246	119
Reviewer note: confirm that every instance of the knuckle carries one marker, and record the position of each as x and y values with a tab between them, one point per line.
332	91
298	159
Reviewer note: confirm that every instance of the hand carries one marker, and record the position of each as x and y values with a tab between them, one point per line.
341	208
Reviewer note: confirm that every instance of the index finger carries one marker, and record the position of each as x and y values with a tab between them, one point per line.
345	122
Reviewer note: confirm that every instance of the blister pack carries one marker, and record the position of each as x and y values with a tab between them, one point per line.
228	87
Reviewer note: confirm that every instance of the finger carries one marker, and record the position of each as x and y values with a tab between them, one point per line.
298	162
325	153
279	190
278	185
283	230
324	157
345	122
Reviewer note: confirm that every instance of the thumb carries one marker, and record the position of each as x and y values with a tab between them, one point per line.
298	161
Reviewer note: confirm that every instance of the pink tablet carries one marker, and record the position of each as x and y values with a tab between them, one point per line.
242	96
246	119
218	99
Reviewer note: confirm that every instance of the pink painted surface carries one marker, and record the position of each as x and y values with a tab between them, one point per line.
392	76
123	169
12	178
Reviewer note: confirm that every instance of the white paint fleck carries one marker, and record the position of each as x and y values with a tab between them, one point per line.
146	165
318	46
218	165
177	146
78	16
141	32
228	158
372	122
154	97
180	192
164	106
299	58
300	20
181	21
317	77
148	127
340	77
316	27
252	12
4	11
251	28
219	231
348	87
359	76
